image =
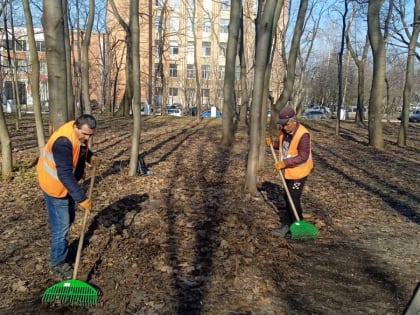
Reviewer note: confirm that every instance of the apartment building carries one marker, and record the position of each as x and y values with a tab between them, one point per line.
15	70
15	67
169	40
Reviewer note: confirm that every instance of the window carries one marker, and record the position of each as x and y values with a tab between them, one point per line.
190	72
221	72
225	5
224	26
206	25
158	70
158	46
222	51
205	92
19	45
173	70
159	3
21	65
43	67
205	72
173	91
190	48
158	26
173	47
40	46
206	49
191	24
174	24
190	93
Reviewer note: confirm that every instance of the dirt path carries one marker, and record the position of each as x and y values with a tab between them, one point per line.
187	240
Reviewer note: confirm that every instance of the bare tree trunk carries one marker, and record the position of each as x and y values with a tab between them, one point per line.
6	148
85	58
409	76
361	65
263	41
126	102
34	75
291	63
244	88
52	21
135	52
340	69
229	99
377	94
71	106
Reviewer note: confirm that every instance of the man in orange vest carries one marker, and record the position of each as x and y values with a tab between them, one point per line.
295	161
60	166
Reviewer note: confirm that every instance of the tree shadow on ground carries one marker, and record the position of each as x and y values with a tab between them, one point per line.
275	195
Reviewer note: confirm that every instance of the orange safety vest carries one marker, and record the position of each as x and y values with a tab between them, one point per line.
303	169
46	168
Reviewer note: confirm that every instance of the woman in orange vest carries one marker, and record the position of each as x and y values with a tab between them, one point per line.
60	166
295	160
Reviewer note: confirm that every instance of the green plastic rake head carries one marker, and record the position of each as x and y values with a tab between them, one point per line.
73	292
302	229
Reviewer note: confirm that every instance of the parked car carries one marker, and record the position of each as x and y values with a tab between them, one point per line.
207	114
315	114
414	116
174	112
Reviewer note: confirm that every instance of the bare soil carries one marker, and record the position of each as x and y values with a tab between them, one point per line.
187	239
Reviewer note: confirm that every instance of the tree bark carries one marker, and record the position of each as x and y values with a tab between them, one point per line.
34	82
291	64
262	48
229	100
135	52
377	94
85	58
53	23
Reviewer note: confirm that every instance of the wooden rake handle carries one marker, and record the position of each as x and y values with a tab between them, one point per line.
82	233
283	181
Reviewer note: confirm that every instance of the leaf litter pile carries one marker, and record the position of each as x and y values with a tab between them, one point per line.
187	239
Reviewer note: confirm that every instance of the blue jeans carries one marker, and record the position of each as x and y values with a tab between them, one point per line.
61	213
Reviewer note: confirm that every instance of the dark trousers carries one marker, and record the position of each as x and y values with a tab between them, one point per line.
295	187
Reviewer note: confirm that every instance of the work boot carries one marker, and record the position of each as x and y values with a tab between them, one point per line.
63	270
282	231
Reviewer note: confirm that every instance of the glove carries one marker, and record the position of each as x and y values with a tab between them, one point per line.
279	165
268	141
95	161
86	205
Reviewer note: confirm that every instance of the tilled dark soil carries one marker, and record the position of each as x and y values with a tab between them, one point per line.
187	239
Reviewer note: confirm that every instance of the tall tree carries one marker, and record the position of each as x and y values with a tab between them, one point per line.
360	63
229	99
409	74
36	99
85	58
262	49
377	42
135	52
340	67
290	72
6	143
53	23
126	102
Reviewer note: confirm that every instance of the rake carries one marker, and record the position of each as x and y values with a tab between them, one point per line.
300	229
73	291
